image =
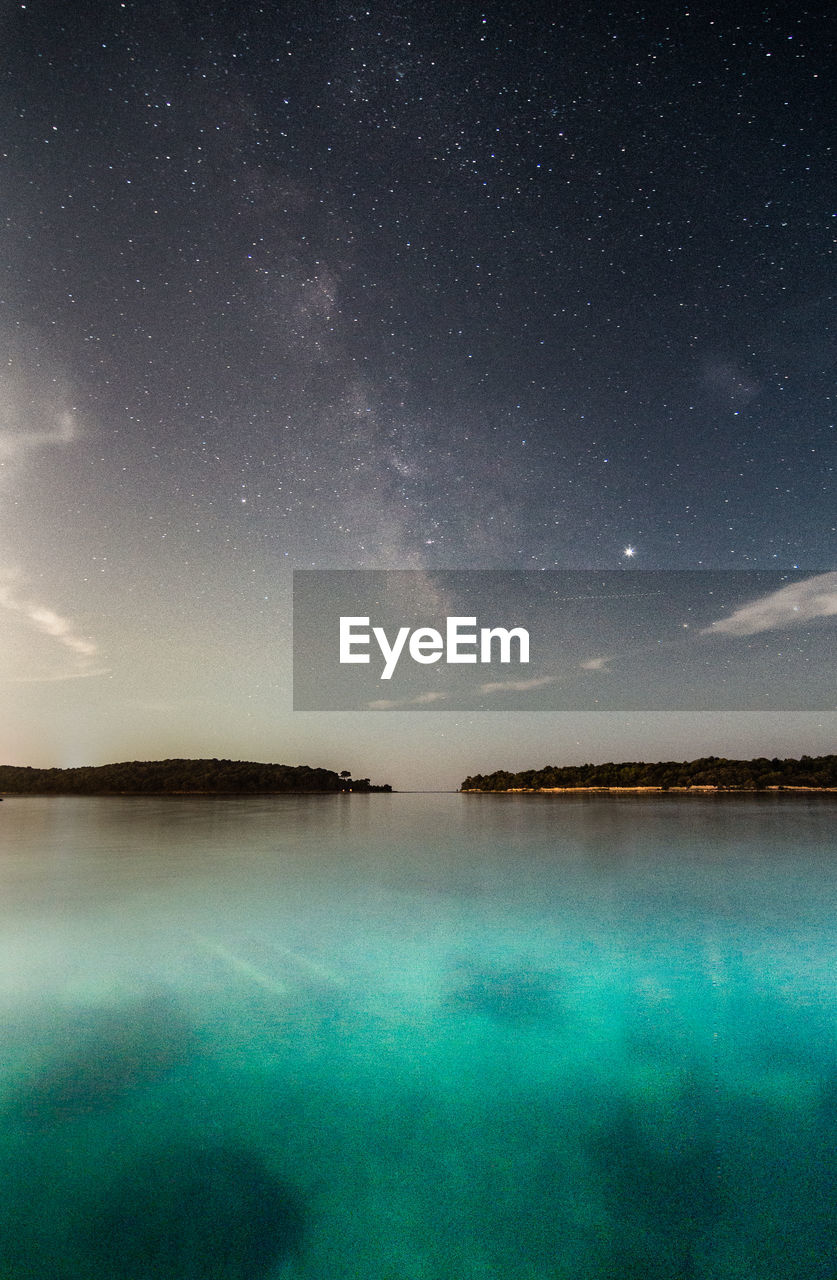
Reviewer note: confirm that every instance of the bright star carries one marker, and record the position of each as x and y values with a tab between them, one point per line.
629	552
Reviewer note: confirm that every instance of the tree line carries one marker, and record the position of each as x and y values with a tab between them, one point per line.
178	777
710	771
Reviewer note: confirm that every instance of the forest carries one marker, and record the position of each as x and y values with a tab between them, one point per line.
710	771
179	777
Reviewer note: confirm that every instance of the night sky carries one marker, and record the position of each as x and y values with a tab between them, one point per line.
418	285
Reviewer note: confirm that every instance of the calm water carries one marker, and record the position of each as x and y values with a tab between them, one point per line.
428	1037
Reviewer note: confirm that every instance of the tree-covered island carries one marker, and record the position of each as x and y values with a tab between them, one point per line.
180	777
711	773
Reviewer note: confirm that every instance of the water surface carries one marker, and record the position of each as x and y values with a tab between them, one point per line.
418	1037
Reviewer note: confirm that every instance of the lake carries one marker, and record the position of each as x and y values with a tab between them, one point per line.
418	1037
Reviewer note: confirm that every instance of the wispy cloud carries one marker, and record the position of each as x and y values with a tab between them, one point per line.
53	677
596	664
516	686
48	622
16	440
36	409
420	700
797	603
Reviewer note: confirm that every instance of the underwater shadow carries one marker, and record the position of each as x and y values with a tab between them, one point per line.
506	993
664	1192
104	1054
194	1214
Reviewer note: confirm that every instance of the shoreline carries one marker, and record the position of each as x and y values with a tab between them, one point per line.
177	795
699	789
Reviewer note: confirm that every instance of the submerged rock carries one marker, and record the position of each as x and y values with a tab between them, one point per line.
103	1055
663	1189
194	1214
509	994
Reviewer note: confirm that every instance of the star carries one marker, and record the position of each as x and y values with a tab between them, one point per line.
434	366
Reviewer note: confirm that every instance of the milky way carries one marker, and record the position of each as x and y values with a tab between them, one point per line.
526	287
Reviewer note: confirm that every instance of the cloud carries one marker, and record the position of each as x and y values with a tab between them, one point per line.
797	603
54	676
36	411
596	664
516	686
392	704
17	440
52	624
48	622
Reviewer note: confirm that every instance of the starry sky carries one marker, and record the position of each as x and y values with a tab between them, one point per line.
425	285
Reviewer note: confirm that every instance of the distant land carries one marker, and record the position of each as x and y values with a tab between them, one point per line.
709	774
179	777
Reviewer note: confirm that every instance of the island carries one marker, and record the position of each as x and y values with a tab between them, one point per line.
710	774
180	777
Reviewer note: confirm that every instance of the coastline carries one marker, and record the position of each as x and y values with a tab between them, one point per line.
209	795
683	791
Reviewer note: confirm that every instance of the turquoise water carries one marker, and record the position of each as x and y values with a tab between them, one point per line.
418	1037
